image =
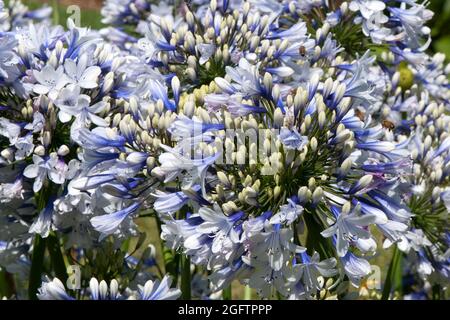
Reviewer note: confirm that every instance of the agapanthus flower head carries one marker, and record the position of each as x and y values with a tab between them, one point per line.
282	144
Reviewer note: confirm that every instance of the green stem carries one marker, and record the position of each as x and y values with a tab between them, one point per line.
394	275
314	240
171	263
227	293
39	246
247	293
37	264
186	278
56	257
171	260
436	292
55	8
7	284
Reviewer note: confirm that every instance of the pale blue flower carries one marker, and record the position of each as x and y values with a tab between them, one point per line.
245	79
109	223
206	52
291	139
72	103
355	268
43	223
9	130
81	74
50	81
288	213
309	270
8	59
348	227
51	166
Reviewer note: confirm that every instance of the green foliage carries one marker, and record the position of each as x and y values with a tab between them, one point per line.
89	18
440	31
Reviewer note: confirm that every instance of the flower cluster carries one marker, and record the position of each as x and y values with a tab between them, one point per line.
281	144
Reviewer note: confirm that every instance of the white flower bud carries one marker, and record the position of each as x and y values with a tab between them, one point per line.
276	192
213	5
190	19
39	150
346	208
276	92
192	62
191	74
345	167
313	143
344	8
278	118
317	195
8	154
229	207
241	155
46	138
175	82
223	178
304	194
325	28
312	183
321	119
268	81
189	108
319	34
150	162
63	150
108	82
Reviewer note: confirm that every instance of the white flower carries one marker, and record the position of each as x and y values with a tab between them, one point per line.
24	146
367	7
291	139
42	225
10	191
356	268
82	75
348	226
274	245
55	168
173	164
311	269
288	213
38	123
206	52
222	227
9	130
73	104
50	81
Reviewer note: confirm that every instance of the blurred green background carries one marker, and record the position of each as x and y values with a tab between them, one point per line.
440	26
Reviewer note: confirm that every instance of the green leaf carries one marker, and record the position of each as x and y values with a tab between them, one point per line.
443	45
